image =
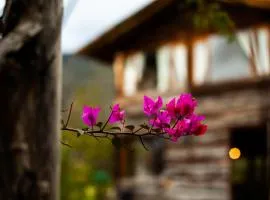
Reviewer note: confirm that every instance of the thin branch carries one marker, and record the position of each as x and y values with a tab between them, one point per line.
152	125
175	123
69	114
104	126
103	134
63	143
137	130
141	139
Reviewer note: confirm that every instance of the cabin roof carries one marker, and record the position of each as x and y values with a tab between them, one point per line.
160	20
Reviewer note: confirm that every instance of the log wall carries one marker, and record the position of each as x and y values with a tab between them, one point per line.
198	168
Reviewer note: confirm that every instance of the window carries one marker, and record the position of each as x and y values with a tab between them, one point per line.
133	73
172	67
227	60
255	45
200	61
149	74
215	59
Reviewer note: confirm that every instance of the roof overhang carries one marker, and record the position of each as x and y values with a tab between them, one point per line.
122	36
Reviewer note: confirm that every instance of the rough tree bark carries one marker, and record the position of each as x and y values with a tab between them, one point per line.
30	88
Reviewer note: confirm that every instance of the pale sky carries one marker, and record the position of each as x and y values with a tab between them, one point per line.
91	18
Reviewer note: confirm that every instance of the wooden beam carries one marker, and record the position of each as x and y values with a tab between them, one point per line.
208	74
118	70
253	67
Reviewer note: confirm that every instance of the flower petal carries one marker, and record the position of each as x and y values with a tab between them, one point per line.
89	115
116	108
201	130
148	100
170	107
148	105
95	112
159	102
116	114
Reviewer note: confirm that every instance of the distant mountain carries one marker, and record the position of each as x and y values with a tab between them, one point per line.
82	73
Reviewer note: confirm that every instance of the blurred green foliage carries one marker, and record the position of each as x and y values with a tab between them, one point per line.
209	15
87	167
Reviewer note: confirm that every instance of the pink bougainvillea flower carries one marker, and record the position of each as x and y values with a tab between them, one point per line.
183	107
172	109
187	104
162	120
201	130
194	121
195	125
188	126
179	130
117	115
151	107
90	115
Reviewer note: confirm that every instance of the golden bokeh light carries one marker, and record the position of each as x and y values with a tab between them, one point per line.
234	153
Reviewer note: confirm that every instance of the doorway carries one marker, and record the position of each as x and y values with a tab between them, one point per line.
248	169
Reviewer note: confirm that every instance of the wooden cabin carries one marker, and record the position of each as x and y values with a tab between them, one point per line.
158	51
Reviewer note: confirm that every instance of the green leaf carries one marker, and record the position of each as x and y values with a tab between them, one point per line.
99	124
79	132
85	128
144	126
115	128
116	141
130	127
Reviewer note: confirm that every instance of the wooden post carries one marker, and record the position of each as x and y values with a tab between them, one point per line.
30	88
190	76
118	70
253	47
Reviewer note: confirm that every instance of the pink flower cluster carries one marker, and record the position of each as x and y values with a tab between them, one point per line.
90	115
177	119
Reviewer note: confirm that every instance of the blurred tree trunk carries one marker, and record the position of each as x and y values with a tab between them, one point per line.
268	143
30	88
